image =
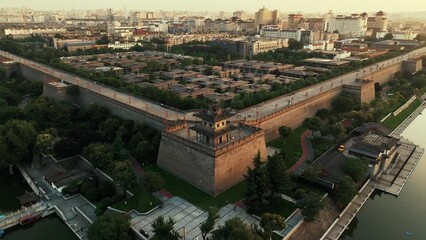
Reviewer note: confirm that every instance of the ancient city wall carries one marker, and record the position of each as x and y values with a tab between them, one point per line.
231	165
86	97
294	115
386	74
187	160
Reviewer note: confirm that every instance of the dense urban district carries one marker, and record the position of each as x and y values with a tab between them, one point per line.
177	125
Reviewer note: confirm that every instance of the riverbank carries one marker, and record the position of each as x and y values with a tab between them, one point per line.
387	217
391	182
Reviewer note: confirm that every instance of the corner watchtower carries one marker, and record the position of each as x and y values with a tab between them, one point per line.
214	129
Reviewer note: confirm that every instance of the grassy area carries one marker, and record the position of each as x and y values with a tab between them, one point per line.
281	207
290	145
180	188
393	121
139	201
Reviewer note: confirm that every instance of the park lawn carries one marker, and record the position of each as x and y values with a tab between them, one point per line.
139	201
180	188
291	145
393	122
281	207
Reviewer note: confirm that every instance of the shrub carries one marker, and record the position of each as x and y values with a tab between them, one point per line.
106	189
86	185
92	194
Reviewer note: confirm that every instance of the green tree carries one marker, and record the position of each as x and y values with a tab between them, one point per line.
153	182
234	228
293	44
313	124
309	204
344	103
278	177
110	227
109	127
311	173
119	148
388	36
345	191
207	226
356	168
271	222
44	141
163	230
99	155
285	132
123	174
18	138
323	113
258	191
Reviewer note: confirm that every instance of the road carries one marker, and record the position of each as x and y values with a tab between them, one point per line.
151	107
263	109
251	113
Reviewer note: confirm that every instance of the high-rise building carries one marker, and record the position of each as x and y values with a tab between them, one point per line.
294	20
378	23
354	25
266	17
316	24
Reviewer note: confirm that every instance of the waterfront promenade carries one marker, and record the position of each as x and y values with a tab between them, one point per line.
76	211
391	181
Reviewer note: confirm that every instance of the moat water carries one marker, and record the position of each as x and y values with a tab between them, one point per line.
388	217
48	228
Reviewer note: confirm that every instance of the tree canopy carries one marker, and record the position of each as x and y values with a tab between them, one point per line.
271	222
110	227
309	204
234	228
163	229
356	168
17	138
207	226
345	191
258	191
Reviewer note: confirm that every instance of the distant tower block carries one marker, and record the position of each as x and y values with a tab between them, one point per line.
212	155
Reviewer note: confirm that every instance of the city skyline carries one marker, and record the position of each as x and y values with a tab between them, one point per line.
223	5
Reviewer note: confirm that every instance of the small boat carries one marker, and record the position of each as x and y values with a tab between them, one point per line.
408	233
29	219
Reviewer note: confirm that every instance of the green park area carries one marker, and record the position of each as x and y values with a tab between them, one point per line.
179	187
291	145
393	122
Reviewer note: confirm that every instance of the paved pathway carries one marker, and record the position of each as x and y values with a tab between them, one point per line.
187	217
305	151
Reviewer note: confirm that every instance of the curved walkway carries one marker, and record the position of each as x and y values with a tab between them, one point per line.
306	149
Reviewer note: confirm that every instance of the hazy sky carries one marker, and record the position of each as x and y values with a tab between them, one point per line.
226	5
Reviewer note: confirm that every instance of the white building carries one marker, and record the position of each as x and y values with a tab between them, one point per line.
126	45
353	26
407	35
265	45
18	32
